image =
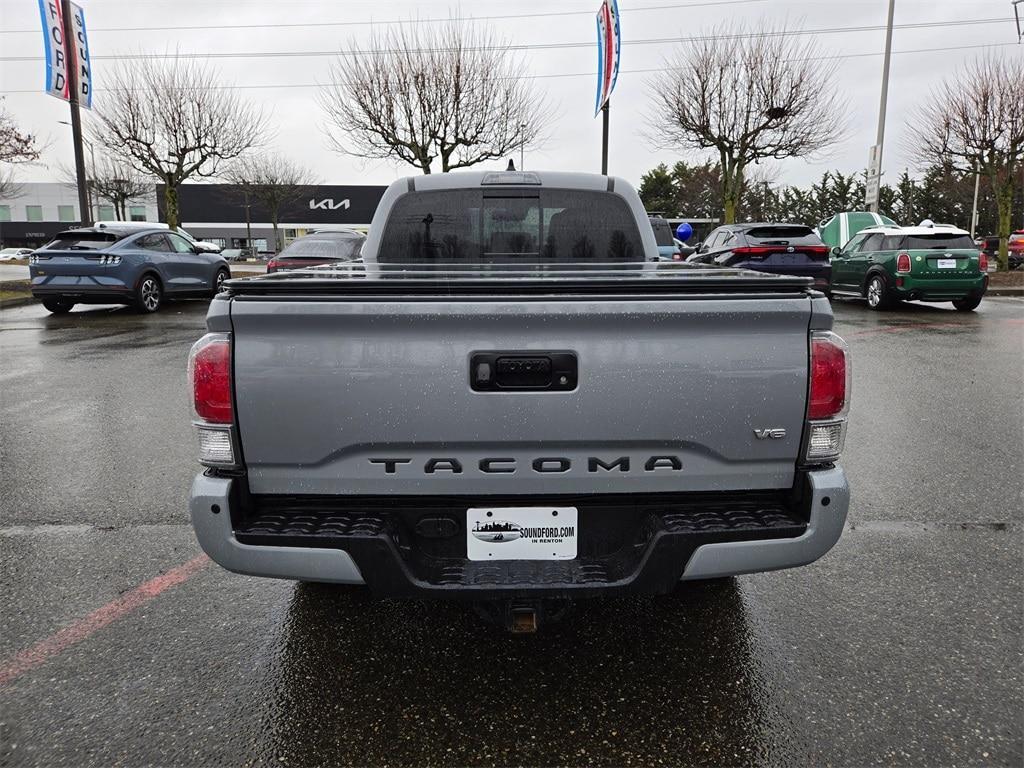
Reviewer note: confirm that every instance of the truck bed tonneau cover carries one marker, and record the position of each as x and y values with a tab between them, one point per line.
561	280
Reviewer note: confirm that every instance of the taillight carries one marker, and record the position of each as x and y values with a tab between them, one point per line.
903	262
828	396
767	250
756	251
983	261
209	373
828	376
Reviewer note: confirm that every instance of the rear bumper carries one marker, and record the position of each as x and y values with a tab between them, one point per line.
658	544
82	288
939	289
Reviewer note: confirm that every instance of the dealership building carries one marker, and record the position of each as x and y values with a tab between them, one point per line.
214	212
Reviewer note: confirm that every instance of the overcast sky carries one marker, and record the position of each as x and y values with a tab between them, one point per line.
286	85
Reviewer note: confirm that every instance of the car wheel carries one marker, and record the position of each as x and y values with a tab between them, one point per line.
876	293
149	295
58	306
218	281
967	304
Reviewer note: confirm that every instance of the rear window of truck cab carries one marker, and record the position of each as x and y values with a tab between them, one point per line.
514	226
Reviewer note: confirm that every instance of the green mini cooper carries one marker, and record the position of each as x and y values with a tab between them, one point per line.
890	264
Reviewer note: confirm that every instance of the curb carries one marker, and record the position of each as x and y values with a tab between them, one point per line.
1006	290
12	303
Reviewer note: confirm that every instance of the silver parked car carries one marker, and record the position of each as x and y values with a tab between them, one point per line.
13	254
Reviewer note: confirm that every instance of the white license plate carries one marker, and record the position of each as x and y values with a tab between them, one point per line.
521	533
947	263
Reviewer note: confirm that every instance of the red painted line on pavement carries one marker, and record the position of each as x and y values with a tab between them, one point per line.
63	639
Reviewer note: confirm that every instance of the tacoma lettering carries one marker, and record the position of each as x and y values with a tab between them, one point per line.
545	465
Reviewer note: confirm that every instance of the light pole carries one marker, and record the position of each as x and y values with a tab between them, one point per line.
880	138
974	206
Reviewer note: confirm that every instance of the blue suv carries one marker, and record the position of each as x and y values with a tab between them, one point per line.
111	265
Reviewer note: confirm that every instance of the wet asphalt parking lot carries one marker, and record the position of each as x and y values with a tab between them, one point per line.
121	645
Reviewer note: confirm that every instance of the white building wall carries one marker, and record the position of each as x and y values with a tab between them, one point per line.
50	195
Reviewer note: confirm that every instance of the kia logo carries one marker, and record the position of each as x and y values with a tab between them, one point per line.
327	204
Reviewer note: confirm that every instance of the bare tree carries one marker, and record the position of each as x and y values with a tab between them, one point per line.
271	181
747	96
119	184
975	123
421	93
167	118
111	180
16	147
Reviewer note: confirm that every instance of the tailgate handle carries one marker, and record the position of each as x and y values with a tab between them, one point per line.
519	371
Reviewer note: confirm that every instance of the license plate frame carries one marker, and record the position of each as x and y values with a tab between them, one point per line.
522	533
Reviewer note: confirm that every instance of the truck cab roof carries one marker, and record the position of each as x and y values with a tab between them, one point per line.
469	179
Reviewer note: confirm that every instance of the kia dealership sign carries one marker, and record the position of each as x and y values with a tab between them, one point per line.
325	204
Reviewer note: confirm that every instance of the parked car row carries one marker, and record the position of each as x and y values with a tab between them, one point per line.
112	263
142	264
880	262
1015	256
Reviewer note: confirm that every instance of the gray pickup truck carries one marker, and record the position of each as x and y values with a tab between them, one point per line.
510	401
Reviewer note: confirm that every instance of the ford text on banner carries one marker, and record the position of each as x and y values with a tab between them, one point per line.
608	46
80	57
55	49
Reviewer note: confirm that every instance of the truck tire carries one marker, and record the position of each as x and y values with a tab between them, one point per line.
58	305
967	304
877	293
149	294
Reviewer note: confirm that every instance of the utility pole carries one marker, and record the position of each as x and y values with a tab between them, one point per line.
880	138
974	206
76	118
604	139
